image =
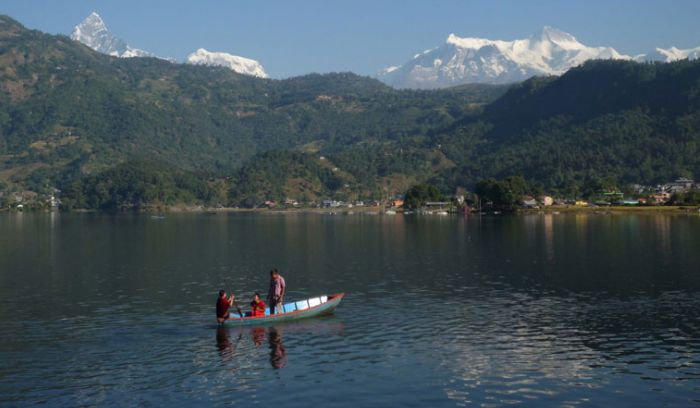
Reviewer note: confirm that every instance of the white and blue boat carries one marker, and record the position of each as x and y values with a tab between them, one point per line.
312	307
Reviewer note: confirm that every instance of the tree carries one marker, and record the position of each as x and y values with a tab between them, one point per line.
502	194
691	197
420	194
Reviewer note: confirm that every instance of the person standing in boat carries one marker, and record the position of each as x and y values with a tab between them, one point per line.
257	306
222	305
275	296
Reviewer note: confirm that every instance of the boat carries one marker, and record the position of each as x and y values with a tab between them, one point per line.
312	307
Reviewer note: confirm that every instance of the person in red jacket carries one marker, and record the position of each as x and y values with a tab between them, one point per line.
222	306
257	306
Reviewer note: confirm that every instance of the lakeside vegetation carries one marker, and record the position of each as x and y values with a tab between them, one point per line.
105	133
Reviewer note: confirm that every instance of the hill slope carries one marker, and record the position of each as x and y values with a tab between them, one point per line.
632	122
69	115
63	105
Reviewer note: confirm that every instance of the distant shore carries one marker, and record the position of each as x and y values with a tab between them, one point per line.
381	210
554	209
661	209
658	209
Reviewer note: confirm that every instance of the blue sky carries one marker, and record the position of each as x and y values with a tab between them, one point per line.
291	37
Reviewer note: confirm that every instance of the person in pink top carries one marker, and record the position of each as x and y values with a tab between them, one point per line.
275	296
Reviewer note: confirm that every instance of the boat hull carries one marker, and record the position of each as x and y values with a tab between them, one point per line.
323	309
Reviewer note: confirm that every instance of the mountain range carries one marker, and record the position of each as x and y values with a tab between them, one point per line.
458	61
99	128
93	32
468	60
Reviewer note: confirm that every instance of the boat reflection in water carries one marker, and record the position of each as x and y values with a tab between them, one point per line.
278	354
274	337
227	348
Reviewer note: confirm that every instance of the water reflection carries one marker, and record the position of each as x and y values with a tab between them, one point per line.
549	237
227	348
258	334
278	353
552	310
249	339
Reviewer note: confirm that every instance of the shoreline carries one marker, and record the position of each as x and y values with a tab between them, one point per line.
554	209
661	209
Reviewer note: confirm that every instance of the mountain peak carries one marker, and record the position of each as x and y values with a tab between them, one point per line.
558	37
236	63
93	32
94	19
670	54
550	51
555	34
90	29
474	43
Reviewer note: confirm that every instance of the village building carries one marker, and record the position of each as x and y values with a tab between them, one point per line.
53	201
545	200
437	205
659	198
397	202
331	204
681	184
678	186
529	201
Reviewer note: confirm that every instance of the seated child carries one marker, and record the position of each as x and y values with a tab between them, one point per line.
257	306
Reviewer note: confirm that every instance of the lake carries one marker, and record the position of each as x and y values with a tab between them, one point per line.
531	310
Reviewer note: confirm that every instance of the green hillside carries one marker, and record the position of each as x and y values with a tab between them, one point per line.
61	104
625	121
90	125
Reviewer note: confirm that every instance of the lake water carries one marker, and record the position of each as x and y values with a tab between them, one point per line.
532	310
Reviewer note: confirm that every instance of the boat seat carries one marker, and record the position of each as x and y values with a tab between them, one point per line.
290	307
302	304
314	302
324	299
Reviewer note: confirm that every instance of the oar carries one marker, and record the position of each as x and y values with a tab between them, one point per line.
234	299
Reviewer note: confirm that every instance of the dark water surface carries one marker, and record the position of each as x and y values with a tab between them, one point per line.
536	310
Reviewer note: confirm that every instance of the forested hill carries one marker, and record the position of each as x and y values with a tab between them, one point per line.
89	124
65	108
618	121
601	87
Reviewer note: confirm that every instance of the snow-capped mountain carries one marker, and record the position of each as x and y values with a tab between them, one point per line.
468	60
239	64
93	32
670	54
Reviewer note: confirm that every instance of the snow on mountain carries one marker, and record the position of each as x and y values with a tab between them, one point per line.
93	32
670	54
468	60
239	64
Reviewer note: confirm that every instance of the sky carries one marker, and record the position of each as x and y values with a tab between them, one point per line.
295	37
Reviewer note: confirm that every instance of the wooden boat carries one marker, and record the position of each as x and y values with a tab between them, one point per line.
312	307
